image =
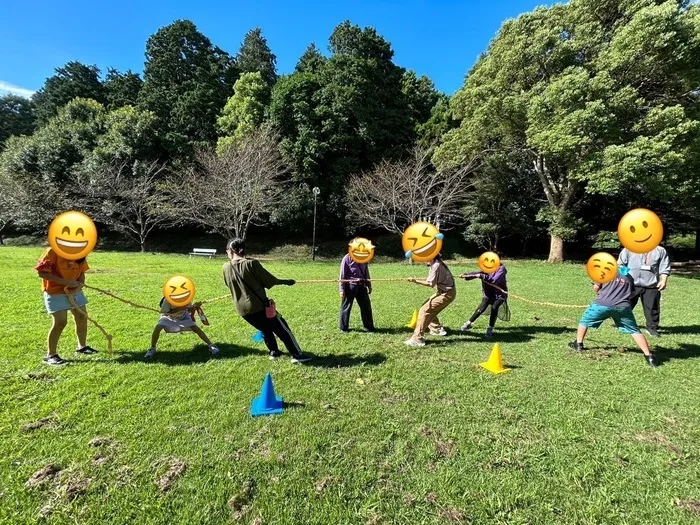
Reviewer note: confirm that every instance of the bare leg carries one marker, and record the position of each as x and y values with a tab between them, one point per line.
59	321
581	333
81	326
197	330
642	343
155	336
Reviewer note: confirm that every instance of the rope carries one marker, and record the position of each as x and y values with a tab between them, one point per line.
540	303
84	314
125	301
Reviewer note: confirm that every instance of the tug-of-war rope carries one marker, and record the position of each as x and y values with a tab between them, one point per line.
110	338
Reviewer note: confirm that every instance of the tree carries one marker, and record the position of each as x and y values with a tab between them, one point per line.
128	135
421	97
255	56
187	81
16	117
245	110
398	193
74	80
596	94
229	191
441	121
311	61
121	89
126	197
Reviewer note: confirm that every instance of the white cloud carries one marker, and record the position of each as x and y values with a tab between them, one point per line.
6	87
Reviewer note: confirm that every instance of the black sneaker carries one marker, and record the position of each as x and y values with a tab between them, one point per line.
301	358
275	355
575	345
87	350
54	360
651	359
653	332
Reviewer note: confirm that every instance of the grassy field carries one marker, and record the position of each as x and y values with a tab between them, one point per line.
375	432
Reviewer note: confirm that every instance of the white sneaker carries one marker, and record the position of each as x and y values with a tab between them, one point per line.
466	326
214	350
441	332
300	358
412	342
151	352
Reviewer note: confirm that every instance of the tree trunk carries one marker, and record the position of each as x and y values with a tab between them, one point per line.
556	249
143	245
697	241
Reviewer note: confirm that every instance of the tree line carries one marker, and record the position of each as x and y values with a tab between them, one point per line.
574	114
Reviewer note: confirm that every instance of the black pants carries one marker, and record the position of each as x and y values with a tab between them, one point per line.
270	328
651	302
485	302
351	292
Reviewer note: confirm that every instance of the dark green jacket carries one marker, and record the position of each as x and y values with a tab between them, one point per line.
246	278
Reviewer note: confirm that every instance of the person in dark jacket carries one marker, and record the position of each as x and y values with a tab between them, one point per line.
247	280
359	289
491	296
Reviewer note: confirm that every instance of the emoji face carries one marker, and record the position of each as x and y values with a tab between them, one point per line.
179	290
602	268
489	262
422	241
640	230
72	235
361	250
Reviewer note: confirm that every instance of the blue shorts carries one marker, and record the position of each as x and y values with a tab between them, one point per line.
59	302
623	317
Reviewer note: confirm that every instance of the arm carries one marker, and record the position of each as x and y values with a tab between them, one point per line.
430	281
664	270
343	276
596	288
422	283
369	281
624	258
471	275
64	282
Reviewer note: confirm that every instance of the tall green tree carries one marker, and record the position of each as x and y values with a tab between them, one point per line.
122	89
421	96
596	94
245	110
187	81
16	117
311	61
255	56
74	80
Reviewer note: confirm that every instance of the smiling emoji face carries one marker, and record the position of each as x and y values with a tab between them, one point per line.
361	250
640	230
602	268
179	290
422	241
489	262
72	235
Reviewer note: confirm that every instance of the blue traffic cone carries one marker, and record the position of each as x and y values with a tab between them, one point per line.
267	402
258	337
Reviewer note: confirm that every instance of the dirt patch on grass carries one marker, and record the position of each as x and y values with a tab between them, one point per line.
39	376
657	438
322	483
49	422
100	459
101	441
241	502
444	448
176	467
72	484
452	515
42	476
689	505
431	498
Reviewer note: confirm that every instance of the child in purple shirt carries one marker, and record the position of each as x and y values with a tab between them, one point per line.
358	289
494	294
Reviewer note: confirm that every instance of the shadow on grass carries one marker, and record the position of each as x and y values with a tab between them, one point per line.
689	329
347	360
663	355
293	405
198	354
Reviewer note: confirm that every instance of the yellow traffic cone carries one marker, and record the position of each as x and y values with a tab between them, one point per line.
495	362
414	319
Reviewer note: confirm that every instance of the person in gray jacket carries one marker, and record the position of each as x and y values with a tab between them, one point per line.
650	272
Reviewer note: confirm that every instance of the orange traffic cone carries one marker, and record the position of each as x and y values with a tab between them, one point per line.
495	362
414	319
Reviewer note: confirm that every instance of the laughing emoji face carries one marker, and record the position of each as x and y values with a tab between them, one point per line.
640	230
422	242
602	268
361	250
72	235
489	262
179	290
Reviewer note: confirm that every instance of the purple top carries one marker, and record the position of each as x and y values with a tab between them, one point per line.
349	269
616	293
497	278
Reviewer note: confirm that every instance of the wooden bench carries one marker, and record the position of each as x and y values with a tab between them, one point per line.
206	252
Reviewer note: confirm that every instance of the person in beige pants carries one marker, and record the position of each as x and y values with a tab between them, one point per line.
440	278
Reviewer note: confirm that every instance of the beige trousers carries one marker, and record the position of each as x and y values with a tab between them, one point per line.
427	315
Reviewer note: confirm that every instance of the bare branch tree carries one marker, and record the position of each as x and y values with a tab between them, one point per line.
126	197
398	193
232	190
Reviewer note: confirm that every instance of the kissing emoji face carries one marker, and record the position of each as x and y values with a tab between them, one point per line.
602	268
489	262
640	230
179	290
72	235
422	241
361	250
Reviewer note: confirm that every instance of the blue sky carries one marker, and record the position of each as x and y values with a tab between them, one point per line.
441	39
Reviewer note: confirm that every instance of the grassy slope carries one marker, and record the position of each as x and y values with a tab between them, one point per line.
427	438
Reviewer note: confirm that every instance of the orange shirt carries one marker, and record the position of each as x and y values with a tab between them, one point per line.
60	267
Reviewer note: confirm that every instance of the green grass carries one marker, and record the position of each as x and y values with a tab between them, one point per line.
426	436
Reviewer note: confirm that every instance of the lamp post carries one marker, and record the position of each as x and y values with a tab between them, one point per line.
313	242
